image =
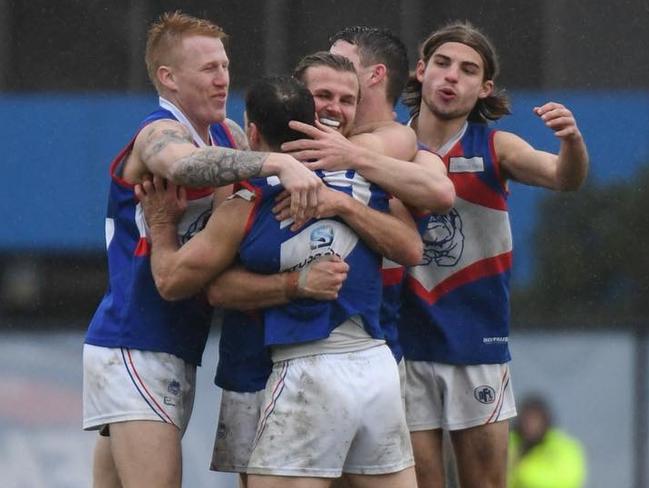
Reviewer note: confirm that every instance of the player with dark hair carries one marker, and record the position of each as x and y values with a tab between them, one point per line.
454	327
328	352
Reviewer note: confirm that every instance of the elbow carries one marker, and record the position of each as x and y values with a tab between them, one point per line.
417	252
443	198
411	254
446	198
572	184
215	297
168	290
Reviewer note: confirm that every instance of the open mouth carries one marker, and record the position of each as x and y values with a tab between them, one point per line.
334	124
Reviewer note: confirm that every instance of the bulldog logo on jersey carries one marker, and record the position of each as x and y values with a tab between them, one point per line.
194	219
443	240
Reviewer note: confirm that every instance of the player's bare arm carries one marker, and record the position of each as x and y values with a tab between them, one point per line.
240	289
563	172
166	149
181	272
381	157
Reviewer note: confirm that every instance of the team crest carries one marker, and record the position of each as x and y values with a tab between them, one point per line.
321	236
443	240
485	394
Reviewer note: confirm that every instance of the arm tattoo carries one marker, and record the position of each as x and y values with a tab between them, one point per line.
217	166
238	135
157	140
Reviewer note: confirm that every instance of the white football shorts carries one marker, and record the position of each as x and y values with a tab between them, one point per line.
122	384
328	414
455	397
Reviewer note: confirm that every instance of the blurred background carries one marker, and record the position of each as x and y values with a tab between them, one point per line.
73	87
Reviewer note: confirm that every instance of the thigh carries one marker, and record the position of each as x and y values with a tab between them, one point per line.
104	472
402	479
267	481
122	384
147	453
238	419
481	455
429	461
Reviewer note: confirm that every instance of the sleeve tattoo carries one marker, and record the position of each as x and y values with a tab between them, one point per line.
217	166
207	166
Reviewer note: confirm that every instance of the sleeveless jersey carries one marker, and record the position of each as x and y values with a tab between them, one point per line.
270	247
456	302
132	314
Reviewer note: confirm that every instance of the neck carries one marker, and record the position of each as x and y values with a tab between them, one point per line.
373	111
203	130
433	131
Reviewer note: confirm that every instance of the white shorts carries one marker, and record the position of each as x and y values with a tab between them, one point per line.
128	384
329	414
455	397
238	419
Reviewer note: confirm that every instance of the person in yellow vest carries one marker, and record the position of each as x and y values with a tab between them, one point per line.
541	455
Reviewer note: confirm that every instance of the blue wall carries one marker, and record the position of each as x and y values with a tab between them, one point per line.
57	148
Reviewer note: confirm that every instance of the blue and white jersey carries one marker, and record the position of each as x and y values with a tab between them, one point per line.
270	247
132	314
456	302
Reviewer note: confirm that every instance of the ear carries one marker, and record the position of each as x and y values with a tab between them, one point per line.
166	77
379	73
254	137
420	70
486	89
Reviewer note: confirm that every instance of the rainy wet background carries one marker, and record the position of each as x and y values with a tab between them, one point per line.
73	87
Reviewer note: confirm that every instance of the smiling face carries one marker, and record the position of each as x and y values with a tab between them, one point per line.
453	81
335	94
198	79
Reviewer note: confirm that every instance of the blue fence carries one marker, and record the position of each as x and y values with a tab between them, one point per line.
57	148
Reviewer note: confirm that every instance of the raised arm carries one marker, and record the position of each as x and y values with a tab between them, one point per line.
565	171
181	272
166	149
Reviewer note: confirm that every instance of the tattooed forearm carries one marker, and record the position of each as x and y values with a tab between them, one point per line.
217	166
157	140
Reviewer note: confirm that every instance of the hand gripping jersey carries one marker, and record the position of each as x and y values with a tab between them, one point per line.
456	302
132	314
270	247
